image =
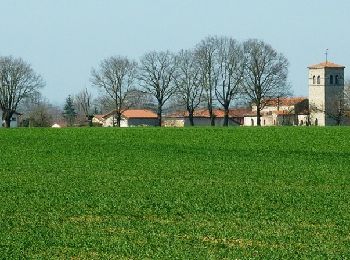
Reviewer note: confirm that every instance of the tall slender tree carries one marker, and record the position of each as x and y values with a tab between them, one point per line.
17	82
156	76
69	112
187	81
206	52
230	61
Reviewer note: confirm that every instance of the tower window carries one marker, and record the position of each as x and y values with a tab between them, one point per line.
314	80
331	80
318	80
336	80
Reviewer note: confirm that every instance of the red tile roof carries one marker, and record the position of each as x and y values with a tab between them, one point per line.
134	113
203	112
284	101
283	113
139	113
239	112
325	64
99	117
219	113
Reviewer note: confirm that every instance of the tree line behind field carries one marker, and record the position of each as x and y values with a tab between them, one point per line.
217	72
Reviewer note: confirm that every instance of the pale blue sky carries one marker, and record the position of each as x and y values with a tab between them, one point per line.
64	39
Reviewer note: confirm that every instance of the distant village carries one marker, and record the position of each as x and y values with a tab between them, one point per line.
197	87
327	105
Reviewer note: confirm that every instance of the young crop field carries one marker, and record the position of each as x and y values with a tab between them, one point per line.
195	193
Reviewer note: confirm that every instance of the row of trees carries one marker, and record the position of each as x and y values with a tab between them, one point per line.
215	72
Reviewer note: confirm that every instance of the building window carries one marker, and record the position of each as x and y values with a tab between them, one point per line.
331	79
336	80
314	80
318	80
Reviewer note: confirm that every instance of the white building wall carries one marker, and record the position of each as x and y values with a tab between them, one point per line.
109	122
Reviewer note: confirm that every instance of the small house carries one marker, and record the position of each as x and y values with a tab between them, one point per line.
131	117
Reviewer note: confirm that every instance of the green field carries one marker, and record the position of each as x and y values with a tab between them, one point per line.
198	193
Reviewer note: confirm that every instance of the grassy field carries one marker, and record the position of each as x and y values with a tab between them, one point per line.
197	193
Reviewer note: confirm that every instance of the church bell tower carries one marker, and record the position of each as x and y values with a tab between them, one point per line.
326	91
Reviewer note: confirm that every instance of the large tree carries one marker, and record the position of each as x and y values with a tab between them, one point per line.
230	61
265	74
115	77
187	81
156	76
206	52
17	82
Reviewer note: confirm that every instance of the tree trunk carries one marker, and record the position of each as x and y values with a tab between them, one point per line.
89	118
7	117
159	114
119	118
190	117
226	110
258	116
7	122
212	117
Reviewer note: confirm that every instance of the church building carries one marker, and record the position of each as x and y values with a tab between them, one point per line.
326	93
324	107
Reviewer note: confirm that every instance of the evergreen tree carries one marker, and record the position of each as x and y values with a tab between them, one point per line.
69	112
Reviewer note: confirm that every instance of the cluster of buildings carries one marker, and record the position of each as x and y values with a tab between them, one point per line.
326	91
323	107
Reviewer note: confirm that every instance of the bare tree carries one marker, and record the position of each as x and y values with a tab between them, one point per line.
265	74
115	76
206	52
17	81
84	104
187	81
37	111
230	60
156	76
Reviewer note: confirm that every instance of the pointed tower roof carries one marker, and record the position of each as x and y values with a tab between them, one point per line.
326	64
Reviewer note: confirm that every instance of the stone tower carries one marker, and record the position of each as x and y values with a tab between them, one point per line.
326	90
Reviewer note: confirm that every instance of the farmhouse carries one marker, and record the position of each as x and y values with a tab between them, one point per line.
130	117
280	111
